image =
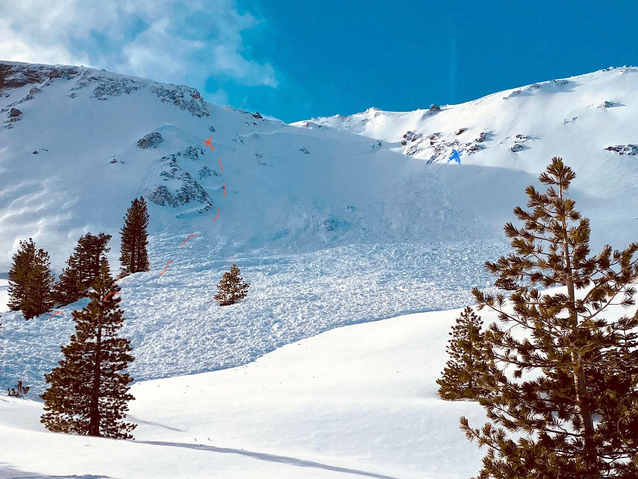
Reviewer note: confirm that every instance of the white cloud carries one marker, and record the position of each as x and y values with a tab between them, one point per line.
167	40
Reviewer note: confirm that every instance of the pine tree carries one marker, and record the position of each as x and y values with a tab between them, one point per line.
82	268
88	392
30	281
90	255
231	288
468	359
568	406
69	287
134	255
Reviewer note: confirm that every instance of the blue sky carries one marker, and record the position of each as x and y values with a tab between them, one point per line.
297	59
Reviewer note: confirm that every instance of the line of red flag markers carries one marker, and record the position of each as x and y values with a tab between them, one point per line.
210	145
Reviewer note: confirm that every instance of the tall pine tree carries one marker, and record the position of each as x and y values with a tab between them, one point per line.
88	392
134	255
30	281
468	359
568	406
231	287
82	268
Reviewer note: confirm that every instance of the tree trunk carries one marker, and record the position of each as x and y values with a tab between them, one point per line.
94	412
578	372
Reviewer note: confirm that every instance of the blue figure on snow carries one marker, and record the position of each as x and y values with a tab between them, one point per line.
456	156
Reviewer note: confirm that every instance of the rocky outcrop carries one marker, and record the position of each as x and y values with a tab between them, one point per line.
184	189
151	140
105	85
14	116
631	150
114	87
206	172
183	97
191	152
161	196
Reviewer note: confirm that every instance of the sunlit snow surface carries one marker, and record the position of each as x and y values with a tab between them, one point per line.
358	401
177	328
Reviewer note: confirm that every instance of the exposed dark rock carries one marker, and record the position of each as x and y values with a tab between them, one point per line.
161	196
631	150
189	189
459	131
206	172
113	161
191	152
257	115
212	129
15	113
35	152
434	108
516	147
513	94
606	104
411	137
115	87
474	148
151	140
304	151
184	98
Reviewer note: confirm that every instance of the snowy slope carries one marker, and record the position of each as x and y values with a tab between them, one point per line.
333	221
358	401
588	120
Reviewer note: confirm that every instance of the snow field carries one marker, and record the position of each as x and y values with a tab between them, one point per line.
358	401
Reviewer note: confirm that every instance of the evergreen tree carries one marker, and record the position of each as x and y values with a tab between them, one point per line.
134	255
568	406
468	359
90	255
82	268
88	392
69	287
231	288
30	281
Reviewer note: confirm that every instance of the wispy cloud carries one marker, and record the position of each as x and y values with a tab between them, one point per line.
167	40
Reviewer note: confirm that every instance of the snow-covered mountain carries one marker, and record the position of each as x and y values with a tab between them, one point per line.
334	220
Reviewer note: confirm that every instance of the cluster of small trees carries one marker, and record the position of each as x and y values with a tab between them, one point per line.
32	286
557	374
88	391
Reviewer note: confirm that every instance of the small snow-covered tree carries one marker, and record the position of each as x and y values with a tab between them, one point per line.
231	288
468	360
19	391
